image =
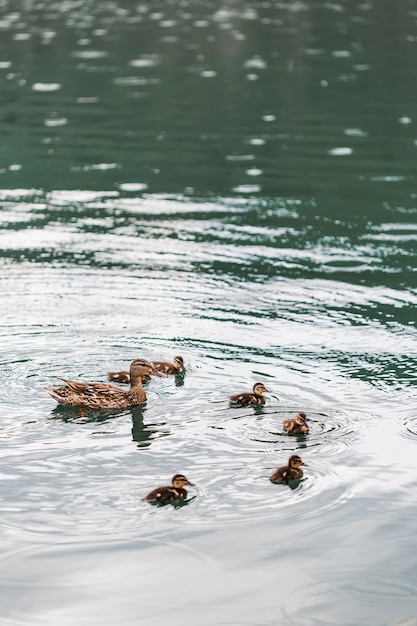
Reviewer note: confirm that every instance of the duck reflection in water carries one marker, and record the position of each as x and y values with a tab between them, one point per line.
174	494
68	413
289	474
143	433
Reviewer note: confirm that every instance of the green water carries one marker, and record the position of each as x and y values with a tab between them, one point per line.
234	183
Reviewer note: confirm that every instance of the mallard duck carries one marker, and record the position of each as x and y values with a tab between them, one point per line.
247	397
292	471
105	396
176	367
296	426
169	493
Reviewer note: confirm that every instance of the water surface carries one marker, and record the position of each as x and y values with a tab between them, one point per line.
233	183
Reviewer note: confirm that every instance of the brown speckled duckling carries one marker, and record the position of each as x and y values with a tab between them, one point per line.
247	397
292	471
170	493
298	425
105	396
176	367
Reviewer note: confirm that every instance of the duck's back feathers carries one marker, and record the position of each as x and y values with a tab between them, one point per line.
167	368
292	471
170	493
281	474
250	397
165	494
119	377
96	395
88	388
297	425
246	398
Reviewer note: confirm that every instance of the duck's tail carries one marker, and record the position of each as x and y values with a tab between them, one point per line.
54	393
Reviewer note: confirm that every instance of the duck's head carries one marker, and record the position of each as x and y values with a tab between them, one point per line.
300	418
179	481
259	389
295	461
141	368
178	362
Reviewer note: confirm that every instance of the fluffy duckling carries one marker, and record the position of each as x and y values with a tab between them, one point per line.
292	471
170	493
296	426
247	397
176	367
105	396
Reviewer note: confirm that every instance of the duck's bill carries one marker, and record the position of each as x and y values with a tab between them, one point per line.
306	464
190	483
156	372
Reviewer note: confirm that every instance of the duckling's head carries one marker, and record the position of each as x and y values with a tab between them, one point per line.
300	418
259	389
141	368
179	480
178	362
295	461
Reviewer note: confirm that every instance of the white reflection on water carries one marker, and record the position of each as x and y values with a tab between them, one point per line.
46	86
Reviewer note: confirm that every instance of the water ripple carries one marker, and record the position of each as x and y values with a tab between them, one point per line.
386	591
409	425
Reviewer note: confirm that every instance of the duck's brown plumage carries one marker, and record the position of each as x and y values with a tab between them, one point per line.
297	425
250	397
177	367
105	396
169	493
292	471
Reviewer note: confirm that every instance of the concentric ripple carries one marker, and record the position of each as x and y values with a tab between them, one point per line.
387	596
262	427
409	424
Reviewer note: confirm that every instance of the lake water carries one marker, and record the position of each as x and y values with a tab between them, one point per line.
235	183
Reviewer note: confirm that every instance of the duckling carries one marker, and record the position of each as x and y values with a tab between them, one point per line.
292	471
297	426
247	397
176	367
105	396
170	493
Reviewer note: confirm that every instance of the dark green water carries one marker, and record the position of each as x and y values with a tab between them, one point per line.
235	183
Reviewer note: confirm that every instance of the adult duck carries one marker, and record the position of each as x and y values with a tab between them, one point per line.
105	396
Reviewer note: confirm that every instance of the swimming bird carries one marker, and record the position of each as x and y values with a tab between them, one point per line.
297	425
292	471
170	493
176	367
248	397
105	396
